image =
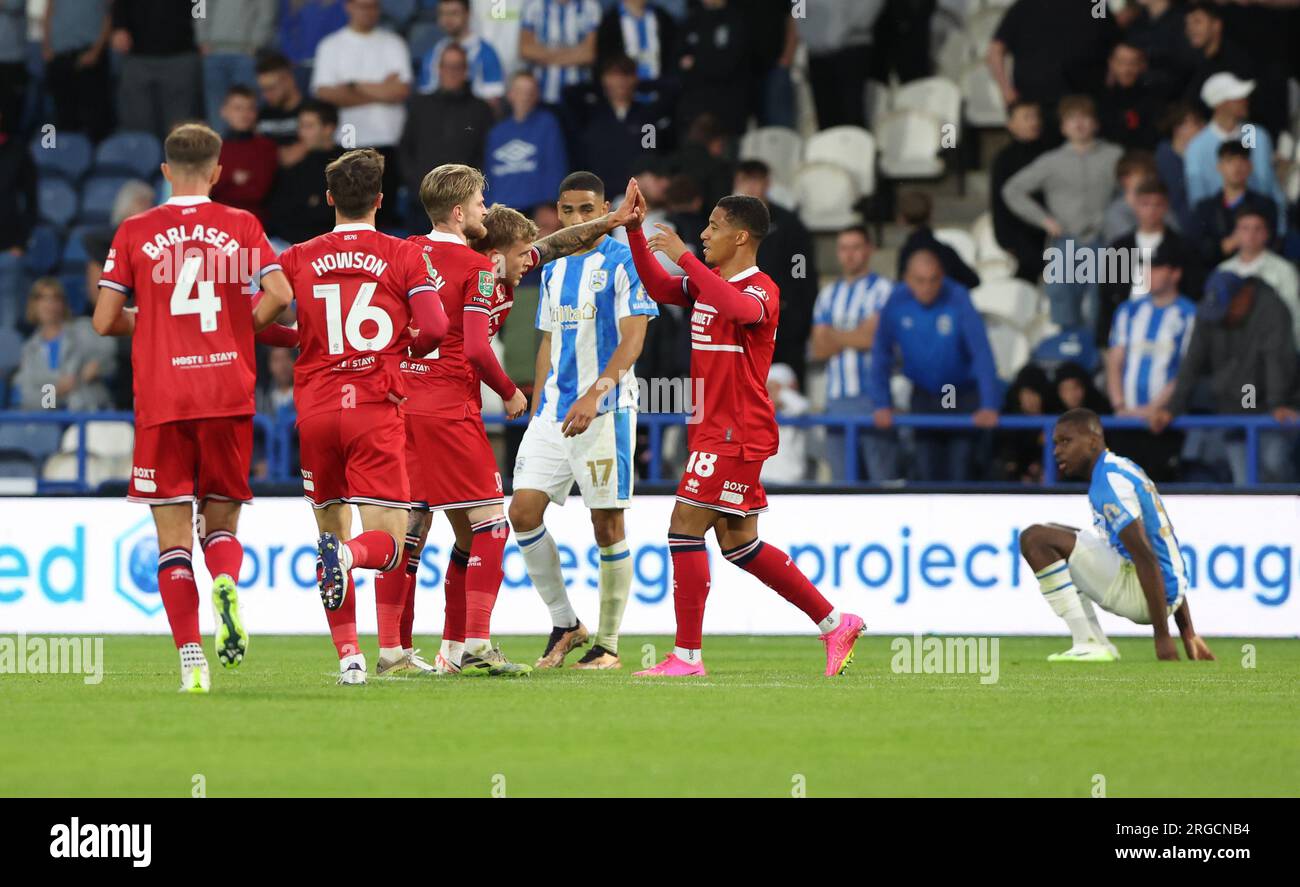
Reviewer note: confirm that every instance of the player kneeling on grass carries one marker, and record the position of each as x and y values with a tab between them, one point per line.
734	315
1128	563
188	263
359	295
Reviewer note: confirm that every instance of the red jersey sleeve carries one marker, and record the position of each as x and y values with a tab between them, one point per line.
118	273
264	259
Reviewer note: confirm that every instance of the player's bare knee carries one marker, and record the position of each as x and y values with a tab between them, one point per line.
607	526
524	516
1032	538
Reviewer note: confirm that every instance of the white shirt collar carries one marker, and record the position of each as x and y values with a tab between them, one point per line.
444	237
188	200
354	226
748	272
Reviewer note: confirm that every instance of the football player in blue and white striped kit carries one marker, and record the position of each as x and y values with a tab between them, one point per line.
844	326
593	313
1128	562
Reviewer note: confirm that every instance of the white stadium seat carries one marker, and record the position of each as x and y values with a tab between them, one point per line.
954	55
778	146
960	240
63	467
849	147
102	439
826	194
992	262
1010	347
980	29
1011	301
937	95
910	144
985	106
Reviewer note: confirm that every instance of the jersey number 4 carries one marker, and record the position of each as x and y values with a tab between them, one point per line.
358	313
206	304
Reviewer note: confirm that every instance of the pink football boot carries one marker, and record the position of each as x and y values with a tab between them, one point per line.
839	643
675	667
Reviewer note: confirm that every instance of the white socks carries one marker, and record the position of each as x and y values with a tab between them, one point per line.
452	651
542	559
615	588
1058	590
192	656
830	623
691	656
391	653
477	646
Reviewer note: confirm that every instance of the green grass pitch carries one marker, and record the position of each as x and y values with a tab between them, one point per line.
765	722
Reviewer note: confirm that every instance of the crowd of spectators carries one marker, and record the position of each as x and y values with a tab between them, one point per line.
1151	129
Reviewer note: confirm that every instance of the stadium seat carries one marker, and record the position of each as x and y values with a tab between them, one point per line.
1011	301
44	249
11	346
910	142
74	251
985	106
69	156
97	198
980	29
36	439
992	262
1070	346
74	287
960	240
937	95
62	468
17	476
57	201
954	55
398	12
106	438
778	146
133	154
1010	347
850	147
826	194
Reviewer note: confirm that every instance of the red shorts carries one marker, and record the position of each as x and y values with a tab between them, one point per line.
354	455
192	459
451	464
724	483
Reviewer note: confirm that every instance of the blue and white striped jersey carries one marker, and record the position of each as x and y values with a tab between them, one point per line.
843	305
1120	493
486	75
583	297
560	23
641	40
1154	341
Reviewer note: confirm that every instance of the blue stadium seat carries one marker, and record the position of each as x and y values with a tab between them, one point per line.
135	154
57	201
69	157
11	346
1070	346
74	285
44	249
74	251
420	39
97	198
18	475
398	12
36	439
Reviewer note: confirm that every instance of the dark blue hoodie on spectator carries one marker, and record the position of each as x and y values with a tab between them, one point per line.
526	160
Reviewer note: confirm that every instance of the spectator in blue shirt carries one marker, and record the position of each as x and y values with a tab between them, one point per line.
304	23
559	38
844	324
526	158
486	75
945	352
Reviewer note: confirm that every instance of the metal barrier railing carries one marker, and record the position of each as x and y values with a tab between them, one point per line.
277	433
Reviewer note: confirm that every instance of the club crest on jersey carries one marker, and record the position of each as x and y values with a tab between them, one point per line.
599	277
487	284
1111	511
944	325
757	291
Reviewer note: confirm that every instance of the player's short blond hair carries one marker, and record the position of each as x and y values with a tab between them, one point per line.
355	179
505	226
192	147
448	186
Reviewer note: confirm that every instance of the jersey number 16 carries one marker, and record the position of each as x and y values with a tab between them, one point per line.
360	311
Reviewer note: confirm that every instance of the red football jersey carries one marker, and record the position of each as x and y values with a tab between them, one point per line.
443	383
188	263
731	361
352	287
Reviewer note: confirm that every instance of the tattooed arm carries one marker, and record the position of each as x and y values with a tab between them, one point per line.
581	237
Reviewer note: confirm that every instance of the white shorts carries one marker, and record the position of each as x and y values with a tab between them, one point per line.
599	459
1105	576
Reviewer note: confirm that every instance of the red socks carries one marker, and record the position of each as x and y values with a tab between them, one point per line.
223	554
390	602
483	575
373	550
408	608
775	569
453	625
343	622
690	587
180	596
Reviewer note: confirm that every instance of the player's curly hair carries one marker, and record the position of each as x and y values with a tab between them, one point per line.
747	213
505	226
355	180
448	186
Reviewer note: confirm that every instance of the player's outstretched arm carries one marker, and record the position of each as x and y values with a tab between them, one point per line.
277	294
664	288
277	334
1134	538
478	351
1192	642
111	316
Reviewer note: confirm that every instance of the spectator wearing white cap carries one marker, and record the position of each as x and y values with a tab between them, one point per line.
1228	96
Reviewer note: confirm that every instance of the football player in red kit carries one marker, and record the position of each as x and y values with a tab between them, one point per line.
734	315
189	263
359	293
